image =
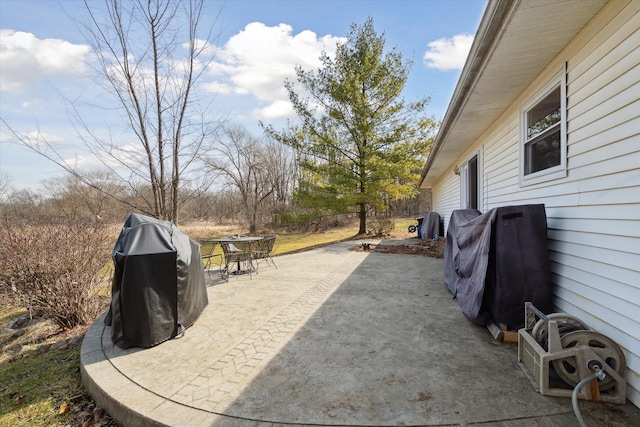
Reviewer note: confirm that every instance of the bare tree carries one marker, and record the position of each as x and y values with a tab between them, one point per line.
64	196
150	55
5	186
282	170
241	160
74	199
23	204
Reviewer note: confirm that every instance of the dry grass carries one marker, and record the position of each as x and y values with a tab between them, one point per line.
208	230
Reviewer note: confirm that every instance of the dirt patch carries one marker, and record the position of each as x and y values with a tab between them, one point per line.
434	249
25	335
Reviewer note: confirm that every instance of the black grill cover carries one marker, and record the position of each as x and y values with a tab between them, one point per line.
158	283
497	261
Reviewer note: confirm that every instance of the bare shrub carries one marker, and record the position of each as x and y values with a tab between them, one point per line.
56	269
380	226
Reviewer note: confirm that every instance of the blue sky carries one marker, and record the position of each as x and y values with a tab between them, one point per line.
44	59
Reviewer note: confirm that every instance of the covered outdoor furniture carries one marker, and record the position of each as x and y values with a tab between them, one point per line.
430	226
263	249
158	286
497	261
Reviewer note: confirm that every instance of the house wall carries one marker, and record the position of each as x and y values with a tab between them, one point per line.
594	213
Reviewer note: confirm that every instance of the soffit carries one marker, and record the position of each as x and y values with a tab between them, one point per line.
532	34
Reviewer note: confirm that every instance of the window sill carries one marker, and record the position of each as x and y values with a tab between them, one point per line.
550	174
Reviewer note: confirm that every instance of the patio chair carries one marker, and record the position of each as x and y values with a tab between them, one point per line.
232	255
209	258
263	250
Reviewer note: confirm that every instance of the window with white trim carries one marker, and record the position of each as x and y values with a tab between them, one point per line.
543	145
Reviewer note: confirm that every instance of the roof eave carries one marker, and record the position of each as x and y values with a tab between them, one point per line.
504	60
495	16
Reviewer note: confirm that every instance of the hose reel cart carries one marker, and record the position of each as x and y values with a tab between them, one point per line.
558	351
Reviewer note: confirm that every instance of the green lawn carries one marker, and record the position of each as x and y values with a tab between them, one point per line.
295	242
286	243
34	387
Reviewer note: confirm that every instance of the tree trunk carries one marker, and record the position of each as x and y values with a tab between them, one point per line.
362	213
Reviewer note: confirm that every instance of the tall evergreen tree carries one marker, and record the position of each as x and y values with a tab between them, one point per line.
359	142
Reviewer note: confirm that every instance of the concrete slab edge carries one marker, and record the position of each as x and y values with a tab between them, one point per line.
141	407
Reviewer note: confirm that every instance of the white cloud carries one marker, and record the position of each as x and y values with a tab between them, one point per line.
39	137
124	158
448	53
25	59
275	110
203	46
217	88
258	59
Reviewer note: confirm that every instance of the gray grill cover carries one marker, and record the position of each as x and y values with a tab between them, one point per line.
497	261
431	226
158	283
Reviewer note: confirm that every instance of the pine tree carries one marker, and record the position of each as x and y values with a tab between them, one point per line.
359	142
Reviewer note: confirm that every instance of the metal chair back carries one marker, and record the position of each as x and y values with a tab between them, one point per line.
233	255
264	249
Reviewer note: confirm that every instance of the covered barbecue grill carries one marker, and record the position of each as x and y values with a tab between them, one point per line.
158	286
497	261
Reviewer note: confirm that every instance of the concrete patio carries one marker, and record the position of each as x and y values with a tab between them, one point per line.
332	337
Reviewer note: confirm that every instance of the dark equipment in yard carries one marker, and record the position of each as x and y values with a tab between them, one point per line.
158	286
416	227
428	226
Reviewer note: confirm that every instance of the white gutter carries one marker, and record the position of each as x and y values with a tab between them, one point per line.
494	20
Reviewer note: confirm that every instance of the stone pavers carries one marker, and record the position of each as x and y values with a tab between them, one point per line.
221	382
331	337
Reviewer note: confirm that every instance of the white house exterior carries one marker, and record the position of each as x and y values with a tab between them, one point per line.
547	110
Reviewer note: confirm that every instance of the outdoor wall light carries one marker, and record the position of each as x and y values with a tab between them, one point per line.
456	170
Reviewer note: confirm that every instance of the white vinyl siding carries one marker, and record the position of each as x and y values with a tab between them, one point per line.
593	213
447	198
595	240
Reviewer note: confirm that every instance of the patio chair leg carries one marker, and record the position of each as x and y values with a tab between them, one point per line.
225	272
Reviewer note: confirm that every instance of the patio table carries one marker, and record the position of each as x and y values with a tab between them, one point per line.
238	245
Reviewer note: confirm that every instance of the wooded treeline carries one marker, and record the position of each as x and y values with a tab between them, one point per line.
258	191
